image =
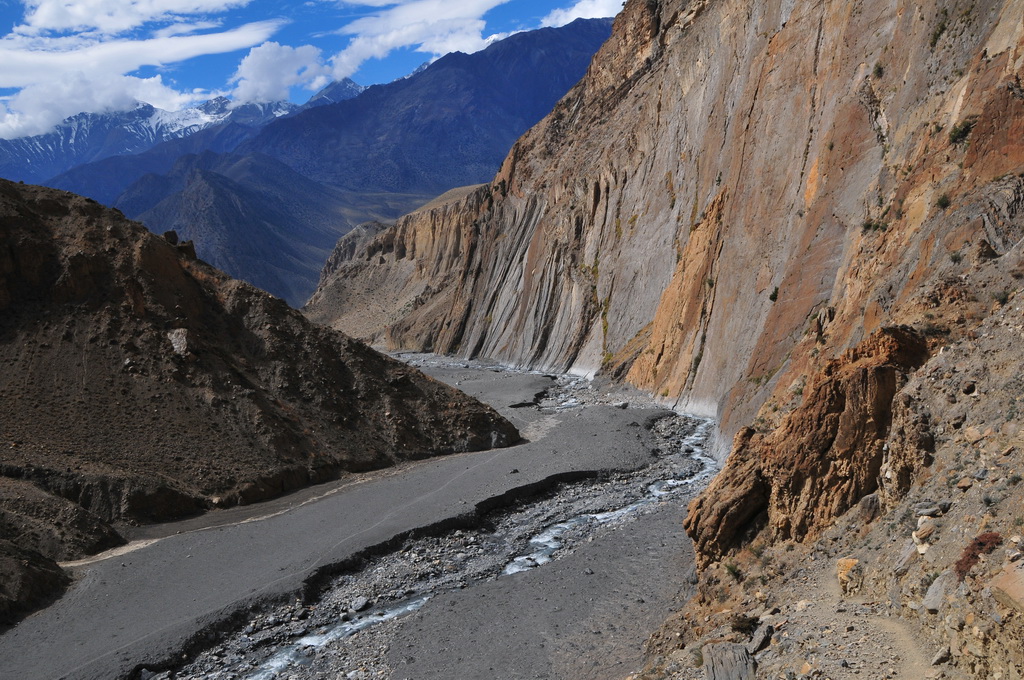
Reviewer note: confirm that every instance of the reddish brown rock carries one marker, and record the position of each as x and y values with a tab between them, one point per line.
824	457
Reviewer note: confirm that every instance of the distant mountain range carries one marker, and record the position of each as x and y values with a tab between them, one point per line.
90	137
265	191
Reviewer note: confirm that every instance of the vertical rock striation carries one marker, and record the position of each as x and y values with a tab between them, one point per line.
803	218
724	183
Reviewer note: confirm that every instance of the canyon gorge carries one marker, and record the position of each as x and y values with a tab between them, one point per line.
804	220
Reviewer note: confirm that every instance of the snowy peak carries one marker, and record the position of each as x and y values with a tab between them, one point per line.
88	137
337	91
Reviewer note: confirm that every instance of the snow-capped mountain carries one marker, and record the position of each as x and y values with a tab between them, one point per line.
88	137
335	92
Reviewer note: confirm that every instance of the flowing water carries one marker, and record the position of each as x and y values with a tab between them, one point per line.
286	643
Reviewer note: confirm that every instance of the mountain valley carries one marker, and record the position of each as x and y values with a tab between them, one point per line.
800	222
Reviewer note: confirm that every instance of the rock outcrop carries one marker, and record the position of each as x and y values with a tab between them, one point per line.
139	384
824	457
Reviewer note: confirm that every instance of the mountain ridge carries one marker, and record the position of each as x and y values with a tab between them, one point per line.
141	385
385	152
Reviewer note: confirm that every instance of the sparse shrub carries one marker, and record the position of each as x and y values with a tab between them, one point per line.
956	257
743	624
982	545
1001	296
774	294
959	132
872	224
878	71
1014	479
734	571
932	330
939	29
943	202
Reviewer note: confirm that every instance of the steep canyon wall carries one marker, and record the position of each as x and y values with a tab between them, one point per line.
727	182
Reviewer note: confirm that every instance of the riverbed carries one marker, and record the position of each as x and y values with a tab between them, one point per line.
261	591
461	604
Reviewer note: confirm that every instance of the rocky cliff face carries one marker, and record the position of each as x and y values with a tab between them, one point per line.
713	153
780	214
140	384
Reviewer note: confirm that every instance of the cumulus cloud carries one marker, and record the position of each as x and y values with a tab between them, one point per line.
269	71
583	9
59	77
111	17
432	26
69	56
36	109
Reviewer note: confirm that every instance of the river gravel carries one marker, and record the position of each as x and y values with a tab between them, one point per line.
347	630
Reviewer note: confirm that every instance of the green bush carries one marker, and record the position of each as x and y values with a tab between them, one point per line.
960	131
939	30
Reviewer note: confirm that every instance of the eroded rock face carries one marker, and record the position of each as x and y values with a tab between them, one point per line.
27	580
825	456
140	384
774	213
723	176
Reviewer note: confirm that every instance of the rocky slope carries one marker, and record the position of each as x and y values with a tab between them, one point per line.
140	384
785	216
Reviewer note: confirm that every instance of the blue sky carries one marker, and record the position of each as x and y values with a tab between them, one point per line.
62	57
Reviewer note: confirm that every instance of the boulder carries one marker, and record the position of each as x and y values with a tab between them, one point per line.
936	595
850	575
728	661
1008	586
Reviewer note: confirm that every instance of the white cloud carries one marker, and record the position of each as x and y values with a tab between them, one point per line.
583	9
36	109
268	72
69	56
433	26
59	77
182	28
29	61
111	17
